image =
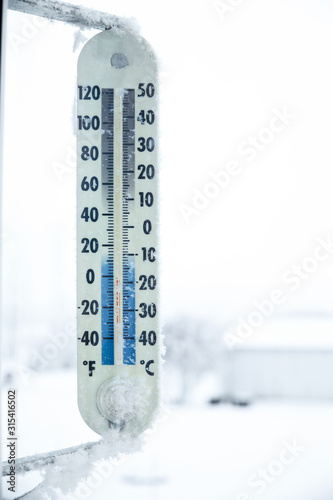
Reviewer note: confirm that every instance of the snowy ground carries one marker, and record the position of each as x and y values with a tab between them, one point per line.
268	450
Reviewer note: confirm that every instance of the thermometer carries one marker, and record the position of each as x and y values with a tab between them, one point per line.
117	233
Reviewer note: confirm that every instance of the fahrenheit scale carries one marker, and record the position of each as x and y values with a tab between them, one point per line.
117	233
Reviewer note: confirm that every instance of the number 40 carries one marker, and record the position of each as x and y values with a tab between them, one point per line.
150	338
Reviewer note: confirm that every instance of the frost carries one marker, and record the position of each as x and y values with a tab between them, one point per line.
79	39
84	469
124	400
74	475
77	15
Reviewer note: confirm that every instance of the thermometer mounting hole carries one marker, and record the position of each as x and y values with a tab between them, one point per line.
119	60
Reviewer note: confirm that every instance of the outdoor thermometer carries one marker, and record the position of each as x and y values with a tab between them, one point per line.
117	233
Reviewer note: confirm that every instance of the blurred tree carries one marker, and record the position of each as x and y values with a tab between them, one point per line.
193	348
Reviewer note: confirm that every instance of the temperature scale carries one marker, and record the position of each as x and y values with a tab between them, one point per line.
117	233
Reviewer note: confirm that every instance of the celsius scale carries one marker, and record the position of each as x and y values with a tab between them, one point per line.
117	233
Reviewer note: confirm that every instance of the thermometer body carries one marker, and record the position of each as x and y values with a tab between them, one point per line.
117	233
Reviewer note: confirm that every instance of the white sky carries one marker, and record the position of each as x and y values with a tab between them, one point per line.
221	79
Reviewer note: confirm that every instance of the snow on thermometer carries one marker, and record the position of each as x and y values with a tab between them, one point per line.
117	232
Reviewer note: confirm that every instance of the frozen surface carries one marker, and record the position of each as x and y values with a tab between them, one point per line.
269	450
71	14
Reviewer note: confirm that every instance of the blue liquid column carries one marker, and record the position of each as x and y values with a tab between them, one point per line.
107	291
129	357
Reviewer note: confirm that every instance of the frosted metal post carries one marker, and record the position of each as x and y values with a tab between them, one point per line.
65	12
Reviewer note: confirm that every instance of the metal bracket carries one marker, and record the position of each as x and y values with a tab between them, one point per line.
36	462
66	12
